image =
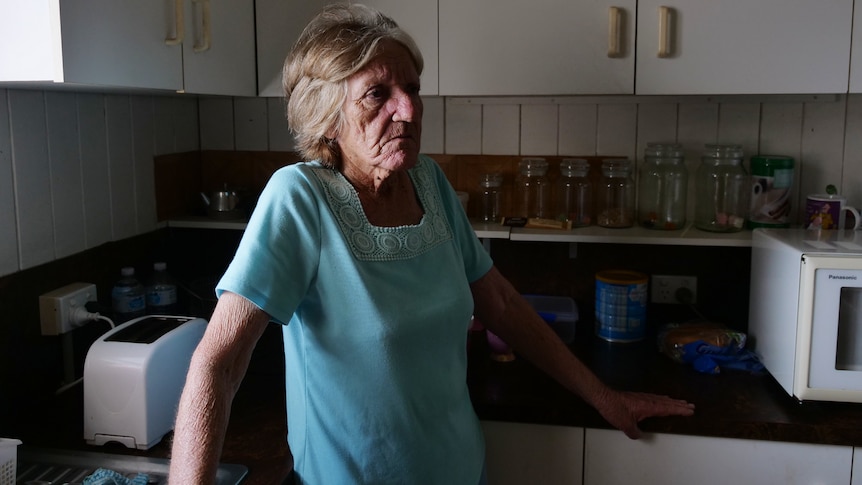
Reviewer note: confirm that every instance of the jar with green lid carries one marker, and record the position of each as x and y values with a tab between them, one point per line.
615	195
532	190
772	178
662	187
573	194
721	187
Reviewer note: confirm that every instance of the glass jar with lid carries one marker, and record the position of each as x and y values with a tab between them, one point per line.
662	187
615	194
573	194
490	195
722	186
532	191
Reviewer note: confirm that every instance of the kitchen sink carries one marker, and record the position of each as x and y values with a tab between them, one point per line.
48	466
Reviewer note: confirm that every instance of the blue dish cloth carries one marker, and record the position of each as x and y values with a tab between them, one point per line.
103	476
710	359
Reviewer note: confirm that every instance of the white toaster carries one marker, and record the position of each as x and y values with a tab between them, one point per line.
133	377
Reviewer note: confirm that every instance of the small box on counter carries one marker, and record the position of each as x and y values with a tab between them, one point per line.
537	223
560	312
540	223
514	221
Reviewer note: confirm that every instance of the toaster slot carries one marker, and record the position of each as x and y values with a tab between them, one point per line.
146	330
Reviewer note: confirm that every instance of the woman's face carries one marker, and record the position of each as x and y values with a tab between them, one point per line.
382	115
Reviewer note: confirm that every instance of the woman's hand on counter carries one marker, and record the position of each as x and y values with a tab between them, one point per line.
624	409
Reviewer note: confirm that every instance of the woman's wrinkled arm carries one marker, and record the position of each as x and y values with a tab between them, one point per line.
507	314
216	371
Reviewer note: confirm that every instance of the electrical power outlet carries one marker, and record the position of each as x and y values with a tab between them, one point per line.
666	289
58	307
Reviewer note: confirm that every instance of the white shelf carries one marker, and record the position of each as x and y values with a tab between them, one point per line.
689	236
201	222
491	231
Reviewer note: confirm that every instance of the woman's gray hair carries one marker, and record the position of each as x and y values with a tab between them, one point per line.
337	43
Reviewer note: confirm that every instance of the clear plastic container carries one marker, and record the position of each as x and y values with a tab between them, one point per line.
722	187
615	195
127	297
161	292
573	193
490	197
559	312
532	189
662	187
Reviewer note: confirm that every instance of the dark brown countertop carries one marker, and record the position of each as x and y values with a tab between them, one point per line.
732	404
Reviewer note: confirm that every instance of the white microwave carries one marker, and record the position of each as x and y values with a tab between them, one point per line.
805	311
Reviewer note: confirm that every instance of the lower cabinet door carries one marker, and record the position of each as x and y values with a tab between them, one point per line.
857	466
611	458
519	454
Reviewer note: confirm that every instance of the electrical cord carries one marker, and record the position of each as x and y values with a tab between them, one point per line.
68	386
79	317
686	297
106	319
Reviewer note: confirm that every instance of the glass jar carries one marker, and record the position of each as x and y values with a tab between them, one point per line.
490	194
662	187
532	192
615	194
722	186
574	192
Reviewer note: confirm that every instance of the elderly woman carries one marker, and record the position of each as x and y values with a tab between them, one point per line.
366	258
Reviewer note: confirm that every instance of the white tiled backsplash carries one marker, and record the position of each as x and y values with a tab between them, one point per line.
76	168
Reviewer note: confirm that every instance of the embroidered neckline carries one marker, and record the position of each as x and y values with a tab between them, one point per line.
375	243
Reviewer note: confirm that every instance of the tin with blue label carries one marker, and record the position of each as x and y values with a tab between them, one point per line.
621	297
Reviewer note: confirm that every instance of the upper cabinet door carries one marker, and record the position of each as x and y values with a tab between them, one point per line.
543	47
176	45
279	23
111	43
419	19
218	48
856	53
743	47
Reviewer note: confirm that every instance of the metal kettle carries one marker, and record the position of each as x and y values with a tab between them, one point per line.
221	200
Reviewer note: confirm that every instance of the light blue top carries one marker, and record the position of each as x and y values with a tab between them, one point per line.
375	345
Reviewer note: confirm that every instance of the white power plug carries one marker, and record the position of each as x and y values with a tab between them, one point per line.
63	309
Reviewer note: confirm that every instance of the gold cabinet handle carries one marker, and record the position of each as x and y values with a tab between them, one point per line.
664	32
205	26
179	31
615	47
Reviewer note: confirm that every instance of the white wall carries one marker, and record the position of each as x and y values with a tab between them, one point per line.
822	133
76	169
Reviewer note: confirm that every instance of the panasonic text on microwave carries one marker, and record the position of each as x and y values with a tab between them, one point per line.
839	277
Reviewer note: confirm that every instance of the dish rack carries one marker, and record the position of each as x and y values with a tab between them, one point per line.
8	460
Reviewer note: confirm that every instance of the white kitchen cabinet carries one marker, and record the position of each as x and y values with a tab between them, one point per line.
126	44
546	47
856	53
611	458
279	23
743	47
219	52
518	453
857	467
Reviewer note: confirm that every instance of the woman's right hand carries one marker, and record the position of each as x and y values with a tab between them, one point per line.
625	409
